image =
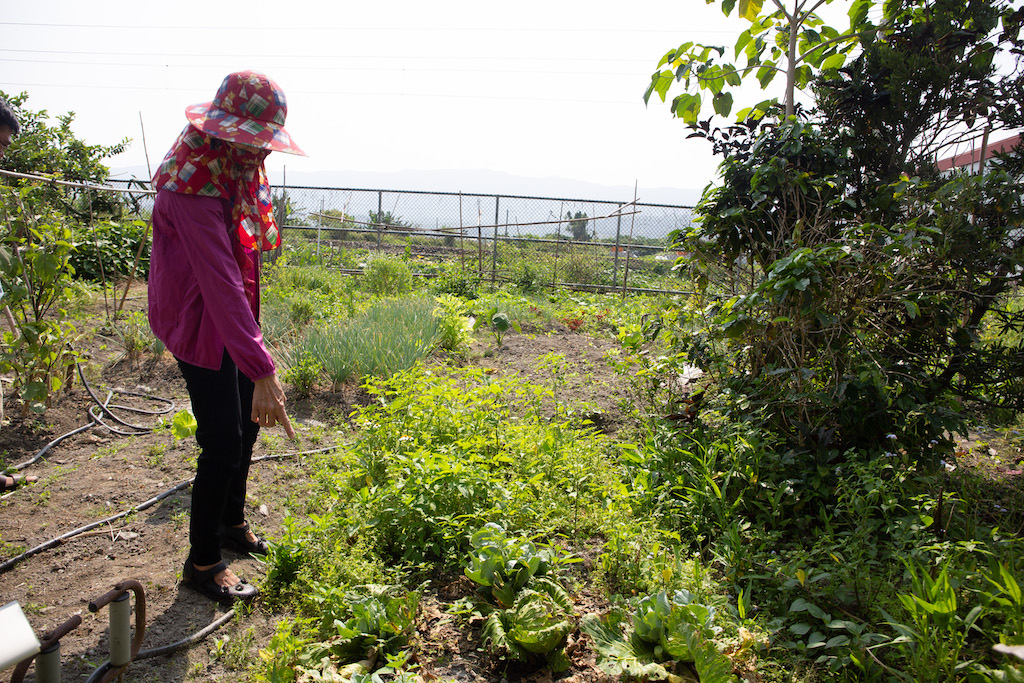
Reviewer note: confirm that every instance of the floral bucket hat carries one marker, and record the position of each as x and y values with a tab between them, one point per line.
249	109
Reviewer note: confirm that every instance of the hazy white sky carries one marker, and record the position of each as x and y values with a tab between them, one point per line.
533	88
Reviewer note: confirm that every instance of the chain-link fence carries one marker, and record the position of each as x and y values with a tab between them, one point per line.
543	240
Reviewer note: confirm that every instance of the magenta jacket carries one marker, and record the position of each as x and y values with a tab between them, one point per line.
198	306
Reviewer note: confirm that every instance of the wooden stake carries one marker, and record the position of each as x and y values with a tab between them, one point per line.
145	235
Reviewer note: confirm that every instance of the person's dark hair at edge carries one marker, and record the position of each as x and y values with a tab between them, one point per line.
7	117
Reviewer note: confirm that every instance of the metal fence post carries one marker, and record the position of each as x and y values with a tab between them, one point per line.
380	217
494	257
618	233
319	223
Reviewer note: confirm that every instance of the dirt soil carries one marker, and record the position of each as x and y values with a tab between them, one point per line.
95	474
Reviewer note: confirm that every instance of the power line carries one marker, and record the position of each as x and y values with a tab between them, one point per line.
412	69
262	56
418	96
277	28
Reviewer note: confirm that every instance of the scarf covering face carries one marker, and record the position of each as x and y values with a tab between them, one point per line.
206	166
209	167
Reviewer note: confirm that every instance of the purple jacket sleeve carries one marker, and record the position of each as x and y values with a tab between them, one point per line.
198	304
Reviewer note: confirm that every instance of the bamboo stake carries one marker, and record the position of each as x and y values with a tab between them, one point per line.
625	268
613	214
68	183
145	236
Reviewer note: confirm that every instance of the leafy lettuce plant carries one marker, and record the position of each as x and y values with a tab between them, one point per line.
382	619
529	614
535	626
502	566
661	629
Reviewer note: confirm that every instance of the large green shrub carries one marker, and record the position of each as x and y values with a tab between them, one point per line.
108	250
844	281
35	272
387	276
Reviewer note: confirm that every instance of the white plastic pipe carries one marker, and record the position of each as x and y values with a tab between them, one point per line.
48	665
120	631
19	640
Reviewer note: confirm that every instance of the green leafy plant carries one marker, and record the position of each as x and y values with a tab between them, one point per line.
35	273
387	276
135	334
107	251
303	377
499	322
382	618
822	254
458	282
535	625
184	425
1002	595
302	310
934	632
502	566
529	613
836	643
527	278
664	628
279	659
454	325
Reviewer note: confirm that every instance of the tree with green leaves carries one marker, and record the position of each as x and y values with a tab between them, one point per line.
578	226
847	282
386	219
55	151
39	242
794	41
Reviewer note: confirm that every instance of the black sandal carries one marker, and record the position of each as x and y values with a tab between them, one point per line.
235	538
205	582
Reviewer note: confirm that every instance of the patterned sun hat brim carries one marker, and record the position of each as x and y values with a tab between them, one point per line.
227	126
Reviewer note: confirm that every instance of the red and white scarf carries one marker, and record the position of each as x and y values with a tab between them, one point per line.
202	165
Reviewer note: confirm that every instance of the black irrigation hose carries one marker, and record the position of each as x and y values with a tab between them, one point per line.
9	564
161	650
140	429
100	671
278	456
104	407
40	454
188	640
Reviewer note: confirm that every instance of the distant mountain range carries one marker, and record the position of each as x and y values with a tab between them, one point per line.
471	182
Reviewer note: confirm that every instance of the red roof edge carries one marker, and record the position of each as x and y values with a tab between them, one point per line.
974	156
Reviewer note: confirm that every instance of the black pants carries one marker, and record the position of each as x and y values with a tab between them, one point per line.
222	404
